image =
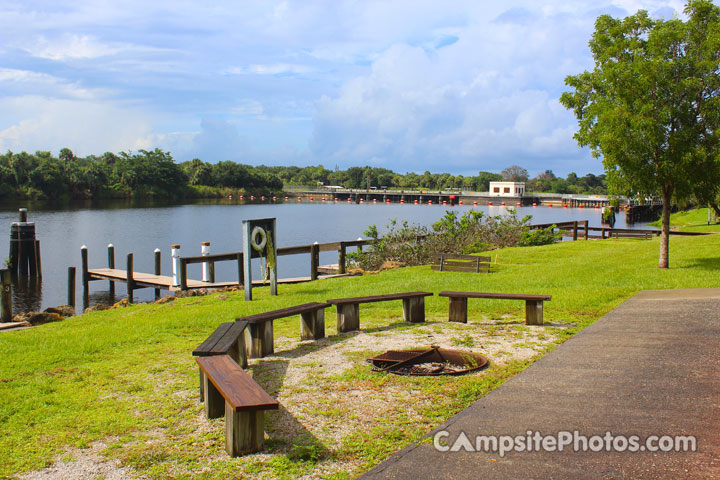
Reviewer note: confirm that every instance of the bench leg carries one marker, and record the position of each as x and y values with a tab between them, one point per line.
261	339
312	325
238	352
202	385
214	401
458	310
533	312
414	309
348	317
244	431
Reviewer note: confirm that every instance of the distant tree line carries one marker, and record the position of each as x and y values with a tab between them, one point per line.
155	174
126	174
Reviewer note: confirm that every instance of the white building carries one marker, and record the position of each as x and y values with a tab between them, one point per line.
507	189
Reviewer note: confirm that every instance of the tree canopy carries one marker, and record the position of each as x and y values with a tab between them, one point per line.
650	108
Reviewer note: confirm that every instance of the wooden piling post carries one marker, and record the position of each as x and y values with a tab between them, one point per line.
111	264
130	281
6	294
23	214
587	229
85	274
575	228
71	287
183	275
314	260
342	250
158	265
38	264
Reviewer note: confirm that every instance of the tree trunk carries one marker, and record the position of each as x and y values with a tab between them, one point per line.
665	235
716	208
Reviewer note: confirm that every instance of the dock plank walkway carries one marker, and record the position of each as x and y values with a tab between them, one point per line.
649	367
166	282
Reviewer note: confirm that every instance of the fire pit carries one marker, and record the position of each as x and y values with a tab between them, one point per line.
430	361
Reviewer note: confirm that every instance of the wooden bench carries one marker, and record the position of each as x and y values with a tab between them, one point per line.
260	326
229	390
348	309
227	339
446	262
533	304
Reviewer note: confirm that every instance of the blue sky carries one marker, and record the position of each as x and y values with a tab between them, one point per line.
451	86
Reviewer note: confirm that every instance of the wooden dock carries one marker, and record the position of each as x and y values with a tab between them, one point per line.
164	282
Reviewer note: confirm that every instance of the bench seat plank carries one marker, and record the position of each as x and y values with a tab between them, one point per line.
283	312
378	298
499	296
235	385
222	340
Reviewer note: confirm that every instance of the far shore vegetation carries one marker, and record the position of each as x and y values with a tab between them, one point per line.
155	174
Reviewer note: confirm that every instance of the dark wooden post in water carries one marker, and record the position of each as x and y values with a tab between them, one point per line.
71	286
130	282
6	294
111	264
23	247
342	250
158	265
85	275
38	264
314	260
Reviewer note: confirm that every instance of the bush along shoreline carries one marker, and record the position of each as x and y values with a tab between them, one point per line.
473	232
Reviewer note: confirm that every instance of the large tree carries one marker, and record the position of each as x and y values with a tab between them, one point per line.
651	107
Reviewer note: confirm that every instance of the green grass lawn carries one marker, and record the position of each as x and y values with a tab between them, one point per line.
695	220
126	377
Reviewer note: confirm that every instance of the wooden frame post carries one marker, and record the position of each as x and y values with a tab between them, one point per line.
575	230
458	309
414	309
312	325
85	274
348	317
244	431
261	339
533	312
214	401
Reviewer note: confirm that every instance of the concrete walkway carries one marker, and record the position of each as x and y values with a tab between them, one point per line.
649	367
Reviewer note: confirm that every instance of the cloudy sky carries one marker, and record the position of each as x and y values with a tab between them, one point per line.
411	85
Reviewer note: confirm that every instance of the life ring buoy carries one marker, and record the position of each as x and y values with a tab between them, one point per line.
258	238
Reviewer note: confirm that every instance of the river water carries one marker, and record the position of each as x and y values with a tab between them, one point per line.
140	227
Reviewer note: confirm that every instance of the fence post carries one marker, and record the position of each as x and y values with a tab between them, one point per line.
341	257
314	260
575	225
38	262
587	230
158	269
241	271
6	279
359	247
71	287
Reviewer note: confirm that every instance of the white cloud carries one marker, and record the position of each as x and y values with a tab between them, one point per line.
85	127
271	69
